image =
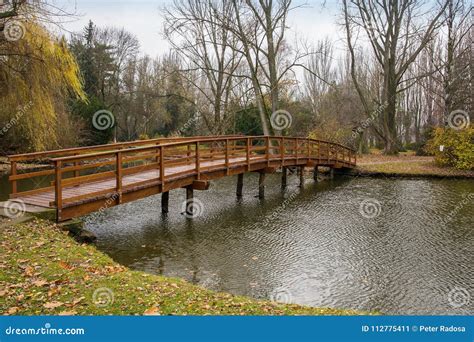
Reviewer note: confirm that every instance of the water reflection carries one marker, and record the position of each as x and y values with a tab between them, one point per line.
310	246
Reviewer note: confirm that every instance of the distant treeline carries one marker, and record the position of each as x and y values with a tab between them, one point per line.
233	68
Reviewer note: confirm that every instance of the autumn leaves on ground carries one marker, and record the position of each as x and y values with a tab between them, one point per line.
45	272
405	165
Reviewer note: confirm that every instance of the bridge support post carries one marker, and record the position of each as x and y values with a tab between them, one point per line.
240	184
189	201
315	173
261	185
284	177
331	173
165	198
301	174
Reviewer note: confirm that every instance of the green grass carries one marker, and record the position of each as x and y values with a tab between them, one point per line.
44	271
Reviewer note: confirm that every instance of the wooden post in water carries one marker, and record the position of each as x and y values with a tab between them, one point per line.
189	201
331	173
284	176
301	174
315	173
240	184
165	199
261	185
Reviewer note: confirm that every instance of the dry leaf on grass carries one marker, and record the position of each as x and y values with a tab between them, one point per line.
53	305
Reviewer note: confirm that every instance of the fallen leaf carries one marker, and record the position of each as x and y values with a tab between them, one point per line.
13	310
29	271
40	282
68	313
153	311
77	301
53	305
65	265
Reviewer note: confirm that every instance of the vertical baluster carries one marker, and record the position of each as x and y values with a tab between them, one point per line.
119	175
198	165
282	151
227	166
248	154
309	148
267	144
162	168
296	148
58	191
14	172
76	164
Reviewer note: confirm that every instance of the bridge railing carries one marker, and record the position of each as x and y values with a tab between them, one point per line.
41	172
88	176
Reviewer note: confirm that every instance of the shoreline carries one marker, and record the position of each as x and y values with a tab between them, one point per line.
374	174
49	273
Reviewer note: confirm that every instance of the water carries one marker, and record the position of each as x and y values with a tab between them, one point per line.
413	254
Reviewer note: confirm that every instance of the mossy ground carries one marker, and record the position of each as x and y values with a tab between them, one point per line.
43	271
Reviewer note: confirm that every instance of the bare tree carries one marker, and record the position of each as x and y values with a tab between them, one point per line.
208	49
319	73
396	32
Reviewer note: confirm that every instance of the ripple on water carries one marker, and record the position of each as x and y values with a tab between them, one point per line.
312	245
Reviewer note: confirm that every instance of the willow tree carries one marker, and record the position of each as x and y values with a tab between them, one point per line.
38	74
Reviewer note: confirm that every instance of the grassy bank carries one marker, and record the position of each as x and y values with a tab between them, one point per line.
405	164
44	271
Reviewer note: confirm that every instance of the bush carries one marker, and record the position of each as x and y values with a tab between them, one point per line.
458	147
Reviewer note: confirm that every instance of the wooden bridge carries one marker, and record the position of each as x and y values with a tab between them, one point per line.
84	180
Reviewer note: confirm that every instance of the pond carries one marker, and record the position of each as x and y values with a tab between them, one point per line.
398	246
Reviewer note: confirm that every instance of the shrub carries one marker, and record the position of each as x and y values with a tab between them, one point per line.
458	147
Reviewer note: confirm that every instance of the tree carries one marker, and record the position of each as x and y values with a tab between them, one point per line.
208	50
396	34
37	75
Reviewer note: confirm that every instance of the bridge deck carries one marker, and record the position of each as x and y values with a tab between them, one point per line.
88	179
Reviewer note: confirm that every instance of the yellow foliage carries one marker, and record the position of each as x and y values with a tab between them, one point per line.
457	150
37	75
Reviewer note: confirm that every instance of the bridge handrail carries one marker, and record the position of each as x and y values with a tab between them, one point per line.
122	161
191	141
73	150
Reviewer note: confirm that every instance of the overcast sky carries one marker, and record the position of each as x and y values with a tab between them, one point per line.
144	19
